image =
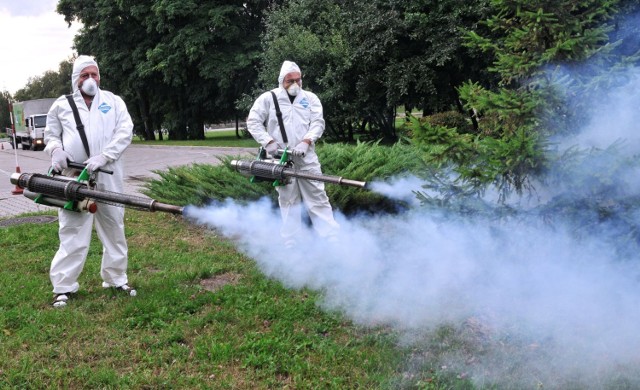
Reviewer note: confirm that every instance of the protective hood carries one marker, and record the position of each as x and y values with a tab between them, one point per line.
78	66
287	67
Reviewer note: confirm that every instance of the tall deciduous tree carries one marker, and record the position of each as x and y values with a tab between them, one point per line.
181	63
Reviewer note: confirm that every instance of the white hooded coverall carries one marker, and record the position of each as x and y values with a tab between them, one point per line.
109	131
303	119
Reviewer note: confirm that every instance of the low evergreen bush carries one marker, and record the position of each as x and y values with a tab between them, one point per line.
201	184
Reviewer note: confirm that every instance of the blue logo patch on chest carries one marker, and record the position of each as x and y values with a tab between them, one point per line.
304	103
104	107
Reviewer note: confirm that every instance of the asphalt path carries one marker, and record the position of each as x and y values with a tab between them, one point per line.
139	163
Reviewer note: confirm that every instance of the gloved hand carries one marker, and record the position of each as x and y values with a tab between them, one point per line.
96	162
272	148
301	149
59	159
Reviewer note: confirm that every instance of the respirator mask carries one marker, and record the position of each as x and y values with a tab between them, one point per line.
90	87
293	89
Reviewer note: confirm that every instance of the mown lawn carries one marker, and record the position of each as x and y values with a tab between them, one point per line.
204	317
225	138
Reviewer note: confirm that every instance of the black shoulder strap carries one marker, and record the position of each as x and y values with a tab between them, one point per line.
79	124
279	115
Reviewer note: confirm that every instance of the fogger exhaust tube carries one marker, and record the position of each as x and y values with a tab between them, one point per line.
76	191
274	171
87	205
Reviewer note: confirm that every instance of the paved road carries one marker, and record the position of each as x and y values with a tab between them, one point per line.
139	162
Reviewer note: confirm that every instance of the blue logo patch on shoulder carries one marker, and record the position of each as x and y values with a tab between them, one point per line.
104	107
304	103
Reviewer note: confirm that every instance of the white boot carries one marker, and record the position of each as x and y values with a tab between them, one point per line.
60	300
125	287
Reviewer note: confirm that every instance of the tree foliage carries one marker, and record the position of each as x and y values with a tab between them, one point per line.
528	41
5	119
365	58
179	64
182	63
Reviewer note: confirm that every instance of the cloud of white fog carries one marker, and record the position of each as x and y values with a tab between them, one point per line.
613	115
571	296
411	271
415	272
401	188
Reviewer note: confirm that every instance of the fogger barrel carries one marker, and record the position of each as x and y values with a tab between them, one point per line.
274	171
68	190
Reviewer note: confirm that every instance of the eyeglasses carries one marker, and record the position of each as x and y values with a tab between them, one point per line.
291	81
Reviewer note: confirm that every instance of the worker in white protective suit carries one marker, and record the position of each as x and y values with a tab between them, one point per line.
304	124
109	130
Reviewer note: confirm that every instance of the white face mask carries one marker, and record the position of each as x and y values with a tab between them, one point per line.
90	87
294	89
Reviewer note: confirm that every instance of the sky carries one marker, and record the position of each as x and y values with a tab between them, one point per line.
34	39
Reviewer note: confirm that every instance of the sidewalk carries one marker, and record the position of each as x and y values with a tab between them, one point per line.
140	162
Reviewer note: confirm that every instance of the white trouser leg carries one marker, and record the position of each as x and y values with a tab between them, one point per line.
110	229
317	203
291	211
67	264
315	199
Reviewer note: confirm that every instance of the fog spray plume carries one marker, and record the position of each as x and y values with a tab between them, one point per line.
568	305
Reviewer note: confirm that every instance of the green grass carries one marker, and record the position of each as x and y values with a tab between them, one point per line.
226	138
178	332
252	333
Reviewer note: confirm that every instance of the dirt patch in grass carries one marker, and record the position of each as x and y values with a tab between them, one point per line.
216	282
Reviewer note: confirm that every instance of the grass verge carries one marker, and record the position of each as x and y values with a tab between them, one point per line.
218	138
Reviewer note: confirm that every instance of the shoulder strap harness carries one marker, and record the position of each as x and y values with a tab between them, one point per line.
279	115
79	124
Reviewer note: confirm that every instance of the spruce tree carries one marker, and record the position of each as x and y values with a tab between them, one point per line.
530	41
